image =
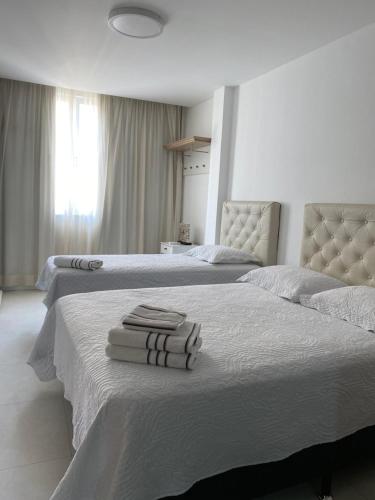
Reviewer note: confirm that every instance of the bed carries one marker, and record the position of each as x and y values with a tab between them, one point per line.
249	226
143	432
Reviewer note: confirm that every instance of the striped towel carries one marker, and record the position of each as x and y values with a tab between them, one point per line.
150	357
155	319
186	339
77	263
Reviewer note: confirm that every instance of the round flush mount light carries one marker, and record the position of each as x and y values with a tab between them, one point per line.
136	22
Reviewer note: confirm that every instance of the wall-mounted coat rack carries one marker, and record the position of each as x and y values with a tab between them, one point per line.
196	164
195	158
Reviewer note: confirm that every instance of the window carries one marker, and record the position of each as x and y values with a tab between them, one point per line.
76	154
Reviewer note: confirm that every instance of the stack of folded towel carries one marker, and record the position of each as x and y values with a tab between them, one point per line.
155	336
77	263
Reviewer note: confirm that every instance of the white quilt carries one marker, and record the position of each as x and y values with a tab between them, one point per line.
135	271
273	378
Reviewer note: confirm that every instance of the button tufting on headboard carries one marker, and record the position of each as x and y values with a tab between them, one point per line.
338	239
252	226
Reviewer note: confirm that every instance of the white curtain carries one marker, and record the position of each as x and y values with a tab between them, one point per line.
79	172
26	180
142	202
83	173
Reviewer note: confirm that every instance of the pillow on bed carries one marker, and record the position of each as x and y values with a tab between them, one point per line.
355	304
220	254
290	282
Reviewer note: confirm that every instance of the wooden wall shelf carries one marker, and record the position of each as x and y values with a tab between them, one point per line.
189	144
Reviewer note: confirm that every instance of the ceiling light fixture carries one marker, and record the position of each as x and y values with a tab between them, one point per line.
136	22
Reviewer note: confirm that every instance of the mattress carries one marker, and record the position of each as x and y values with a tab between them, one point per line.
273	378
135	271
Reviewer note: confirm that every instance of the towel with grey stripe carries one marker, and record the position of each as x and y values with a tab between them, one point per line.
155	336
185	339
154	319
77	263
151	357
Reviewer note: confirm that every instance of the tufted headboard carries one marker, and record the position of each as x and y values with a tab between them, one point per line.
339	240
252	226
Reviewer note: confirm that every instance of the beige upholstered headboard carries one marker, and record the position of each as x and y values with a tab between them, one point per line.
252	226
339	240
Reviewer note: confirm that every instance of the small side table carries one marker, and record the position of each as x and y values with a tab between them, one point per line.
174	247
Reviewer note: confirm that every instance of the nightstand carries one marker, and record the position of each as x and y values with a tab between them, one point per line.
174	247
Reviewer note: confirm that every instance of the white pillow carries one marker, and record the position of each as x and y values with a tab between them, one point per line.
290	282
355	304
220	254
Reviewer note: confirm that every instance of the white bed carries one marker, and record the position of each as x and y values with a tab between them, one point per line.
249	226
143	432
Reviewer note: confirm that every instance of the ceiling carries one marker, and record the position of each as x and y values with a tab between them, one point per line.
205	44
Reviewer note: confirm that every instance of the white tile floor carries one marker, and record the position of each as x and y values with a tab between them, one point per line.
34	435
35	421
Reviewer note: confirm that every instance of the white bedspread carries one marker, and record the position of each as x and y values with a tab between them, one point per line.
273	378
135	271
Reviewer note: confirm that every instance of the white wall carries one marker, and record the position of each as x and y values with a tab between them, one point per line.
220	152
197	122
305	132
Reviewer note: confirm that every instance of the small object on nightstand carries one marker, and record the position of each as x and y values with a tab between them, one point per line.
184	234
175	247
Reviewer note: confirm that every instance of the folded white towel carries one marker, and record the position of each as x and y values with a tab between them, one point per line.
146	317
149	357
77	263
186	339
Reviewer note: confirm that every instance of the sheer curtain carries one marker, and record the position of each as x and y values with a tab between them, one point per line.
79	172
142	201
26	180
83	173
